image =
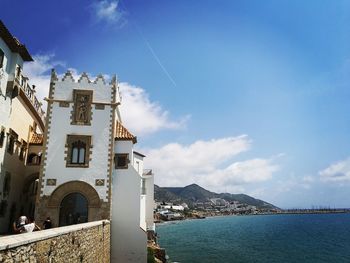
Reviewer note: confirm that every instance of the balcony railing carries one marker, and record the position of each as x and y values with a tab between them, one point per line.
22	82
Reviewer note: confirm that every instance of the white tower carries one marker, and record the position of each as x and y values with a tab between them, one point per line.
75	176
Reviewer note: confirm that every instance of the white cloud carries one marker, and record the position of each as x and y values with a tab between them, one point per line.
141	115
202	162
39	73
249	171
308	179
337	172
110	12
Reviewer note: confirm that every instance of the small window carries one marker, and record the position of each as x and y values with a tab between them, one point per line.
34	159
7	185
3	206
23	150
2	55
78	150
12	138
143	186
18	71
2	136
121	161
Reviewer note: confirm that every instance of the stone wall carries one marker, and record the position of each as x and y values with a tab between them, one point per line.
89	242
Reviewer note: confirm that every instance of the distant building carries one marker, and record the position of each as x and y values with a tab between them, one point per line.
218	201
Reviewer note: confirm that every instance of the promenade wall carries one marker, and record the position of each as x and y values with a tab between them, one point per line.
88	242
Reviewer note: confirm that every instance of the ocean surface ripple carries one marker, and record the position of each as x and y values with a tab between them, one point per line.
260	239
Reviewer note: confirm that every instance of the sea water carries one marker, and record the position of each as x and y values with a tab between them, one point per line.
259	238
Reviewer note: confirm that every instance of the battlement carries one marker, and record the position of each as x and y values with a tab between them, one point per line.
84	78
61	87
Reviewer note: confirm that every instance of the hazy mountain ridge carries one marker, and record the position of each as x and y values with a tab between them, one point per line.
194	193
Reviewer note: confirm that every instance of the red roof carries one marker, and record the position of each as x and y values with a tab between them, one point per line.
122	133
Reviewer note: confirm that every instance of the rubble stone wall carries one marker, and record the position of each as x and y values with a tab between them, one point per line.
89	242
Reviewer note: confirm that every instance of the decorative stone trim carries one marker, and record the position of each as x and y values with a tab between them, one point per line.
113	104
111	139
81	113
68	75
64	104
54	78
99	182
86	139
51	182
84	76
74	187
100	78
99	106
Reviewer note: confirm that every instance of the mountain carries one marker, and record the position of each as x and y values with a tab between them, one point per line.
194	193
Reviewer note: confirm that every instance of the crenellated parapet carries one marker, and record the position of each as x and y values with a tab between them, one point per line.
61	87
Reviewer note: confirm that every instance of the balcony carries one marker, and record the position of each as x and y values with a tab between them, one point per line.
18	86
147	172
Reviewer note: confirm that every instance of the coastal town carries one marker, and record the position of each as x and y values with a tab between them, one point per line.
174	131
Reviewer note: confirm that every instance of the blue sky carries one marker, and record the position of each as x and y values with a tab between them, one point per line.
238	96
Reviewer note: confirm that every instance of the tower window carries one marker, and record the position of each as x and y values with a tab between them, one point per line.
78	150
121	161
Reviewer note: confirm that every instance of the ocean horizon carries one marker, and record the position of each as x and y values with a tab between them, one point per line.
258	238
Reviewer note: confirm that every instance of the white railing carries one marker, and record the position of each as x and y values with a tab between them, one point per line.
22	81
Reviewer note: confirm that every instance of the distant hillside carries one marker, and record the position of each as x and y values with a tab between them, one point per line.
194	193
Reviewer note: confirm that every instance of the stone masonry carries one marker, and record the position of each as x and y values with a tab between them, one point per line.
89	242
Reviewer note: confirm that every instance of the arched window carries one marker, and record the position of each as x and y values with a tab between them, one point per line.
78	152
73	209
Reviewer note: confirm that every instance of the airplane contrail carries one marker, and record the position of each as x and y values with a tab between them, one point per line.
152	50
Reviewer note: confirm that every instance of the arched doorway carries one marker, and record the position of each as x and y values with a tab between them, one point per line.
97	209
73	209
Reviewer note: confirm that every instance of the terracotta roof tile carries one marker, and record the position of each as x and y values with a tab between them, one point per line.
36	138
122	133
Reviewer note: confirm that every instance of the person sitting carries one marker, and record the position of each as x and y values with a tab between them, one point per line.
19	223
30	227
47	223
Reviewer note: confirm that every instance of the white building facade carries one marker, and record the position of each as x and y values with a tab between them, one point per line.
21	120
132	200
